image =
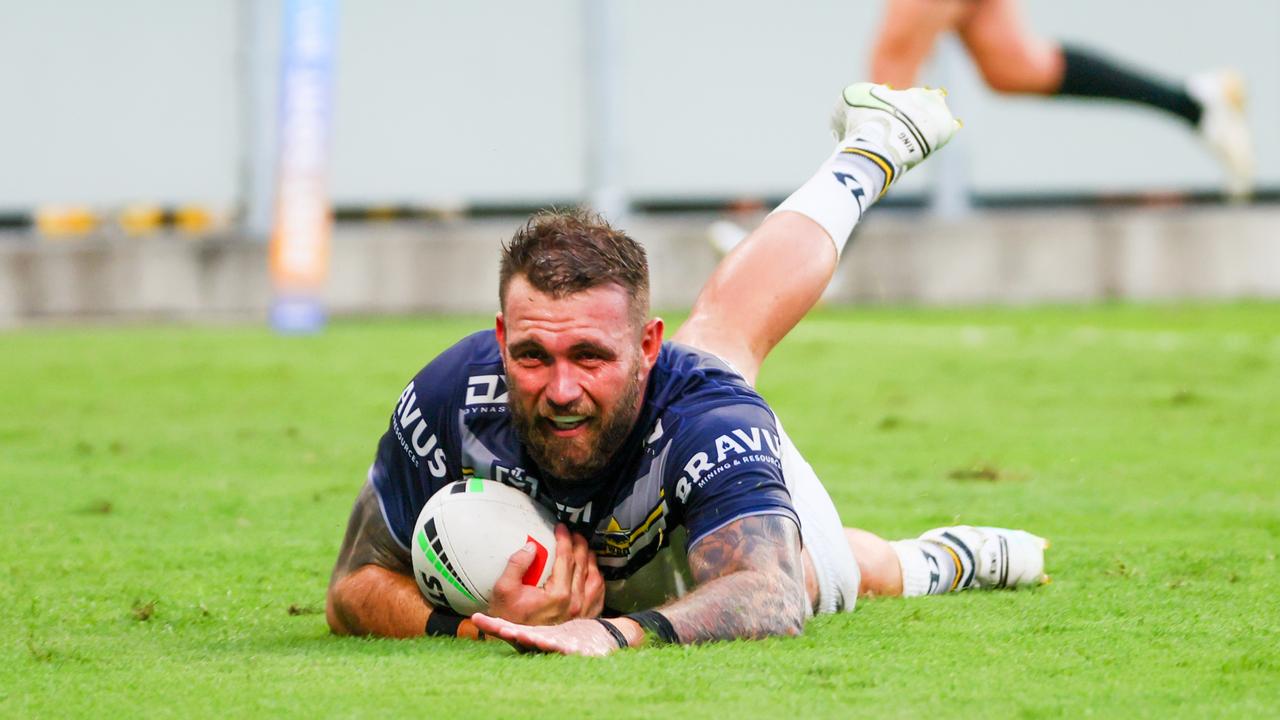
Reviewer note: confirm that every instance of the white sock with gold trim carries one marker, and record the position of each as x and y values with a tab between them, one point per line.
846	185
931	568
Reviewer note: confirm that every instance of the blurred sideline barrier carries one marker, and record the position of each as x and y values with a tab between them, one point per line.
901	257
59	222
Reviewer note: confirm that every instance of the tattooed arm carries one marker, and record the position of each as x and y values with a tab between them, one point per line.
372	590
750	583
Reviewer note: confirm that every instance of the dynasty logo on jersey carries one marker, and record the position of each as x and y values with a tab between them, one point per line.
486	390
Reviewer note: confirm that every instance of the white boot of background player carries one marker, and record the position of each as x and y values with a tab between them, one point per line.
1224	127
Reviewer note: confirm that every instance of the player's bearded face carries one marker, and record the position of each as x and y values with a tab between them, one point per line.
576	368
584	454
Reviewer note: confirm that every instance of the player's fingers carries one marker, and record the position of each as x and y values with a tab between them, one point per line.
581	552
593	590
535	640
517	565
513	638
489	624
563	566
581	555
499	628
562	570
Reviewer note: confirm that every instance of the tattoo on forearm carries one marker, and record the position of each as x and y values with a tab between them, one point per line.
368	541
750	583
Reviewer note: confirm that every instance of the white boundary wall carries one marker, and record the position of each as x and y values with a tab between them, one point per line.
144	100
899	258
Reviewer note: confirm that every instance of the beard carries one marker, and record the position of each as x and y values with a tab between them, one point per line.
580	458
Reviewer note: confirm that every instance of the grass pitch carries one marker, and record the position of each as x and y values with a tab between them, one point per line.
173	500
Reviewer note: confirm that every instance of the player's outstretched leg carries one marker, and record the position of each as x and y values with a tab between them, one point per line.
773	277
963	557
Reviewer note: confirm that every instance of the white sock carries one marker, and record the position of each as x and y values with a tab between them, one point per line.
846	185
930	568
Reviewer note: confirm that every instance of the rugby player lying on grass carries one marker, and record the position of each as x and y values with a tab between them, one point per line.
682	500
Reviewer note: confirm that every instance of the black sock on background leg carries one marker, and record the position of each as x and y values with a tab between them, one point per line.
1087	74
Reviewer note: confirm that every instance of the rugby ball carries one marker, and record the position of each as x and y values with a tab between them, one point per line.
465	535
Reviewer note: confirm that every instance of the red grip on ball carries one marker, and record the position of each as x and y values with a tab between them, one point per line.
534	572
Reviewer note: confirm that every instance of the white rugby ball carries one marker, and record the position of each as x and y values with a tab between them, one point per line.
465	535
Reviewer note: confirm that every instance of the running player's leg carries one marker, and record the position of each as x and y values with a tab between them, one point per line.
1013	59
907	34
773	277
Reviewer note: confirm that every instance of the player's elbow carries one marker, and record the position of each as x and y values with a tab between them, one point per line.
794	620
336	610
791	612
789	626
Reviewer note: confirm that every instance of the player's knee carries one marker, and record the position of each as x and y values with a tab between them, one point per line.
704	332
1015	66
877	564
791	622
896	58
1003	79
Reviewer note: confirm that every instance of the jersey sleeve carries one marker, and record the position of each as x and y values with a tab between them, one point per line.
729	466
418	452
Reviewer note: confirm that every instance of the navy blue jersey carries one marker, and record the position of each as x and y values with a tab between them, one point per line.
705	451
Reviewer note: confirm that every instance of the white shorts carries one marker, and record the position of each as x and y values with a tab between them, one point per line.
821	531
667	575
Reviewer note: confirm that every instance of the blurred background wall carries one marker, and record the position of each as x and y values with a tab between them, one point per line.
138	147
483	102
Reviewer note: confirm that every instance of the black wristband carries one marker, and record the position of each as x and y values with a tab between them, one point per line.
615	632
442	623
657	624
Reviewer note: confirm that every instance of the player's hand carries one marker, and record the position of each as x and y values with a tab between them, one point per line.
575	588
576	637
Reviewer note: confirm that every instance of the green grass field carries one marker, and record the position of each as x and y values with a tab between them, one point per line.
173	499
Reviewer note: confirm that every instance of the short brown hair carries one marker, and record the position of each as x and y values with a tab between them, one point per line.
562	252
